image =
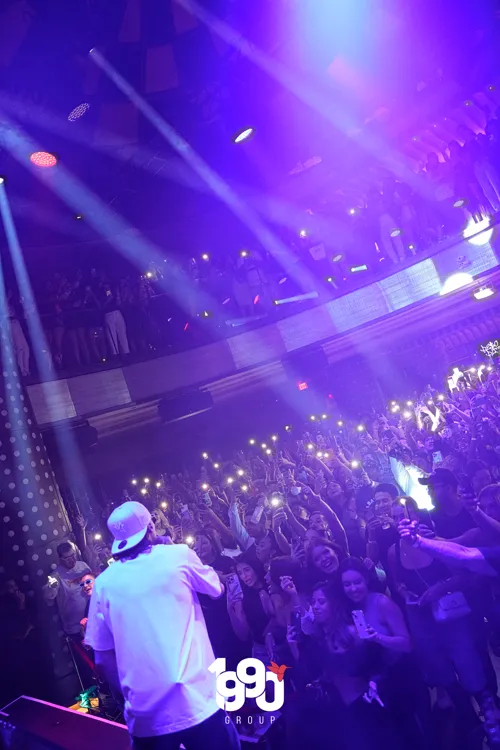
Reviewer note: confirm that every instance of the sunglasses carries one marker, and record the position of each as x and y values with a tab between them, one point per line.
86	583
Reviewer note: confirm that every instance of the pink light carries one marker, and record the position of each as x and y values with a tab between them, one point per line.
256	299
43	159
186	326
78	112
302	385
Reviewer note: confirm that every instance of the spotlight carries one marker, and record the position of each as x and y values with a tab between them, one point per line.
205	256
2	179
483	292
395	232
459	203
43	159
78	112
481	231
243	135
337	258
456	281
204	455
356	269
251	441
303	233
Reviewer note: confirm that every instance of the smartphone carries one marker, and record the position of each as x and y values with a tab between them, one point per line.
206	499
437	458
358	617
296	622
234	590
257	514
185	514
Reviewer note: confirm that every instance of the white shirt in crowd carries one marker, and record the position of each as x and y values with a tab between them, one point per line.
146	609
68	594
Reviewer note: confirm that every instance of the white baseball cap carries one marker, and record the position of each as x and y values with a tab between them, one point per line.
128	523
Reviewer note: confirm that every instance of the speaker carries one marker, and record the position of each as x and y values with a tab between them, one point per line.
185	405
32	724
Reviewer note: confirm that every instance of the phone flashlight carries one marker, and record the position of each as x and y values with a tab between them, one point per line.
204	486
409	403
268	451
319	454
324	416
164	505
354	464
407	414
240	472
440	397
146	480
263	446
340	423
158	485
360	428
275	501
274	438
204	455
310	447
251	441
216	466
97	537
312	418
52	581
244	487
144	491
133	481
430	402
189	540
230	480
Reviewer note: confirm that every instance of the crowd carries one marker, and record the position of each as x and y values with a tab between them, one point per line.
388	647
92	316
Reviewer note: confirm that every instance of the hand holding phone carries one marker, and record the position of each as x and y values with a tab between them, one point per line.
234	590
358	617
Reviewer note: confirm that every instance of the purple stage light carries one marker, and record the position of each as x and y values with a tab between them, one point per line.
243	135
43	159
78	112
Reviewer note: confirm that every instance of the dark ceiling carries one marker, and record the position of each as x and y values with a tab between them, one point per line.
357	85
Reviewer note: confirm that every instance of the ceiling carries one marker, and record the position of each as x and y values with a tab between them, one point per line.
335	96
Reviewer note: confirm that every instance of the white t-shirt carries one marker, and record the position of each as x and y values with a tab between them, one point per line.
147	610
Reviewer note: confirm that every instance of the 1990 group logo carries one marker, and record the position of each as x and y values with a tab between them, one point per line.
249	681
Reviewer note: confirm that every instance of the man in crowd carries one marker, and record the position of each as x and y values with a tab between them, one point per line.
150	640
449	516
63	588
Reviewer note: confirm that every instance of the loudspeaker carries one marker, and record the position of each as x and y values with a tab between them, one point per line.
185	405
31	724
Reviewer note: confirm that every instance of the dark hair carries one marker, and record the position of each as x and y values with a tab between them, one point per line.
248	558
144	545
65	547
213	537
284	566
386	487
490	491
474	466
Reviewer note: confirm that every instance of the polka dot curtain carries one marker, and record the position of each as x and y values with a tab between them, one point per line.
33	520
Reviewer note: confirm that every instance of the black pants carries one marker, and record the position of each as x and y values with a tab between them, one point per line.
215	733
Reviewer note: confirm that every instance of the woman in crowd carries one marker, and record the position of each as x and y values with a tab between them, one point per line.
252	614
323	560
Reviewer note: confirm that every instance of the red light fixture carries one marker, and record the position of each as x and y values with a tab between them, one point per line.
302	385
43	159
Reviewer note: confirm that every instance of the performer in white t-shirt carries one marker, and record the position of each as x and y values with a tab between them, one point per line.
147	629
